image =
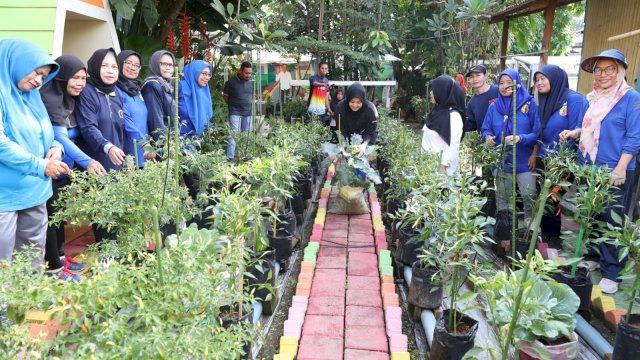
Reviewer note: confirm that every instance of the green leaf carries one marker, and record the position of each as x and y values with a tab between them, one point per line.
125	8
150	13
230	8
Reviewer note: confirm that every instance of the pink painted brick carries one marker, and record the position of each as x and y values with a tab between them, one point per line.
376	212
391	299
327	287
300	307
363	282
296	312
366	338
340	225
398	343
355	354
332	251
394	326
300	300
393	312
322	203
552	253
320	348
292	328
332	262
380	238
326	305
362	264
361	238
359	217
317	227
334	241
364	316
316	237
380	247
338	219
360	229
323	325
331	234
363	298
362	248
375	207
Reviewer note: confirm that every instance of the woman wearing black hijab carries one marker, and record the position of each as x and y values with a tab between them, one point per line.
157	91
357	115
443	127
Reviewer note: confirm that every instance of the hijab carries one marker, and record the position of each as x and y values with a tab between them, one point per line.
449	97
197	99
557	96
56	99
154	70
504	103
131	87
93	70
601	101
19	58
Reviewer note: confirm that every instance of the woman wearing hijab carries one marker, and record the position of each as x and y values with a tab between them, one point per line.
610	136
497	130
194	99
560	109
157	91
100	117
135	110
357	115
59	97
443	127
333	124
29	155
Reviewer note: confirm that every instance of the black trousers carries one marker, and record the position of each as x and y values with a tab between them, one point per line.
54	245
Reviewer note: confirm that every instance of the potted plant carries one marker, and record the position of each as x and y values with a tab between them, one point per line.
294	110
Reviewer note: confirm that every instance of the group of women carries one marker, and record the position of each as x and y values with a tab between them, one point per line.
605	126
86	117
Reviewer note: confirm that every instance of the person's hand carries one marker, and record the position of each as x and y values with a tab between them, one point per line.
618	177
569	134
96	168
361	149
330	113
442	169
532	162
150	156
116	155
56	168
54	153
491	140
511	139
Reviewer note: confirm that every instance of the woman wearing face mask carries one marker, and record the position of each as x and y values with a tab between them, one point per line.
157	91
59	97
442	131
135	110
497	130
560	109
100	116
610	136
194	99
357	115
30	156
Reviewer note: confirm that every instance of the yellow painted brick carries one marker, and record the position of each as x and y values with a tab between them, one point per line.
283	357
321	211
378	227
288	345
400	356
595	292
319	220
608	303
332	168
376	218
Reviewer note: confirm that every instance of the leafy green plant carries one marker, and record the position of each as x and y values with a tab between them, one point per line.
295	108
347	153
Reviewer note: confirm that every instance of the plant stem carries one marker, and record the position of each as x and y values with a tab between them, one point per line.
583	227
632	299
158	241
135	152
176	127
516	310
513	178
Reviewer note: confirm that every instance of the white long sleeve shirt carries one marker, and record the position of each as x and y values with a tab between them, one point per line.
432	142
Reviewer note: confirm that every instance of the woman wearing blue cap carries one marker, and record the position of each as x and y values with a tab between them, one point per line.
497	130
30	155
610	136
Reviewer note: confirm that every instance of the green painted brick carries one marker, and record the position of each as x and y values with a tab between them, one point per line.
313	245
384	261
372	187
386	253
386	270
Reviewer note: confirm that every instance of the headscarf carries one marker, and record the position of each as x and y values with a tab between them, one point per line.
196	98
56	99
503	103
93	70
131	87
601	101
154	70
19	58
449	96
557	96
356	90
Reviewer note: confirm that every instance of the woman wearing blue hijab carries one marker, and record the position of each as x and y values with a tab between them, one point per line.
497	130
194	99
29	155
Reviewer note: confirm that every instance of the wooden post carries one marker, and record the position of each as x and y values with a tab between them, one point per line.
549	14
503	44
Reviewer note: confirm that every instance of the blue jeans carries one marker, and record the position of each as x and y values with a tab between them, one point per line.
237	123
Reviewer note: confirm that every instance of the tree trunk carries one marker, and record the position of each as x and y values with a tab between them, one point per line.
169	17
320	23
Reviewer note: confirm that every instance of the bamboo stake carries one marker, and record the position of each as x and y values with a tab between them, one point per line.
624	35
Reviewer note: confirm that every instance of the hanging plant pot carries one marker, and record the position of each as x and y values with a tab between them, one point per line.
627	345
262	270
448	345
581	284
423	292
281	243
408	246
563	349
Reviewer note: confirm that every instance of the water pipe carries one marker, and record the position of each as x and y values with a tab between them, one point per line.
427	317
592	337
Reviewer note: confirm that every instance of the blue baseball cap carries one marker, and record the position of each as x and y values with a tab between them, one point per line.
477	69
588	63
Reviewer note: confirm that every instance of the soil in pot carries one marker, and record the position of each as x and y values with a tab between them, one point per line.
581	284
627	345
448	345
561	349
423	292
408	246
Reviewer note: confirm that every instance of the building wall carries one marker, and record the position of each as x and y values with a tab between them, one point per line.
605	18
32	20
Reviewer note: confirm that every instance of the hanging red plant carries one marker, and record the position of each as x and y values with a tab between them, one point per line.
185	35
171	41
204	37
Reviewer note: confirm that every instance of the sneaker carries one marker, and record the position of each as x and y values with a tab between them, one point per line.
608	286
72	265
65	275
591	265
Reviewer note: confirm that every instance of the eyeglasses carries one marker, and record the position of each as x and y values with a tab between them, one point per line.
132	65
206	74
166	64
608	70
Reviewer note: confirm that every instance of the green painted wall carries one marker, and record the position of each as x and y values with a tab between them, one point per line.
32	20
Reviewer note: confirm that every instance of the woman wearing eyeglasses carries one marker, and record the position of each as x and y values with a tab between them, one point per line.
157	91
100	117
194	99
610	136
135	110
